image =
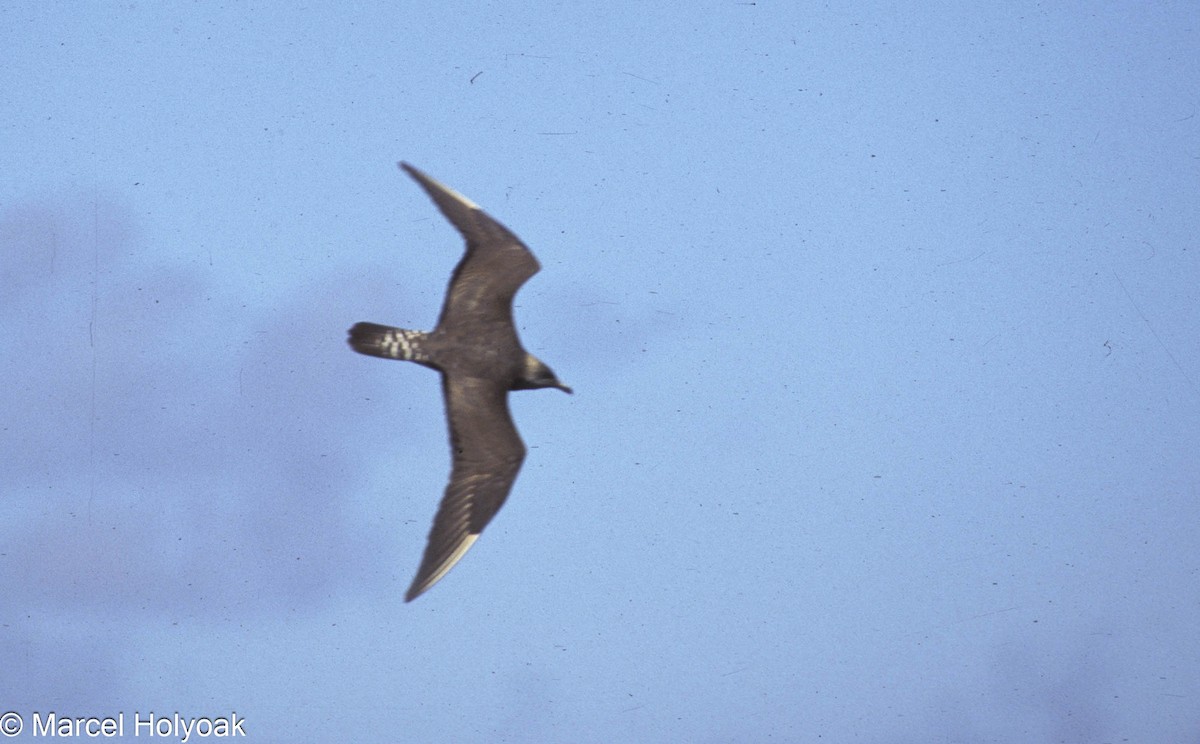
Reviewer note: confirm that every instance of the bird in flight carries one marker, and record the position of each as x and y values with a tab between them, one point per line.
476	349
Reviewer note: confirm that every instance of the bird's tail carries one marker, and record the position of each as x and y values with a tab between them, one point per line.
388	342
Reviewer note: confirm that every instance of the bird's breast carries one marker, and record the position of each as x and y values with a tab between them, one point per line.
486	353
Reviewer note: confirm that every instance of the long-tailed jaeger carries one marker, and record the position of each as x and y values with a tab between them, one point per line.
476	349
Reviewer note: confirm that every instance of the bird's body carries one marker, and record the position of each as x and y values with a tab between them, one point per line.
476	349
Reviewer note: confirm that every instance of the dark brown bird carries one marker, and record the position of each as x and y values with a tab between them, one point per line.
476	349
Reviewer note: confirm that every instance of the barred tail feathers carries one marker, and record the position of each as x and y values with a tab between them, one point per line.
387	342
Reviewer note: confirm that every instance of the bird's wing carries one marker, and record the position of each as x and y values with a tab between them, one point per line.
494	266
486	453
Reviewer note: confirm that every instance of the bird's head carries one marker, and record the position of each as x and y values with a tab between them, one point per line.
537	375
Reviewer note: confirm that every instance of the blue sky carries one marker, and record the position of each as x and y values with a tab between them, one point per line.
884	326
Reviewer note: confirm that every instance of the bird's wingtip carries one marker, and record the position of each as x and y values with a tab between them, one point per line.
427	576
438	190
